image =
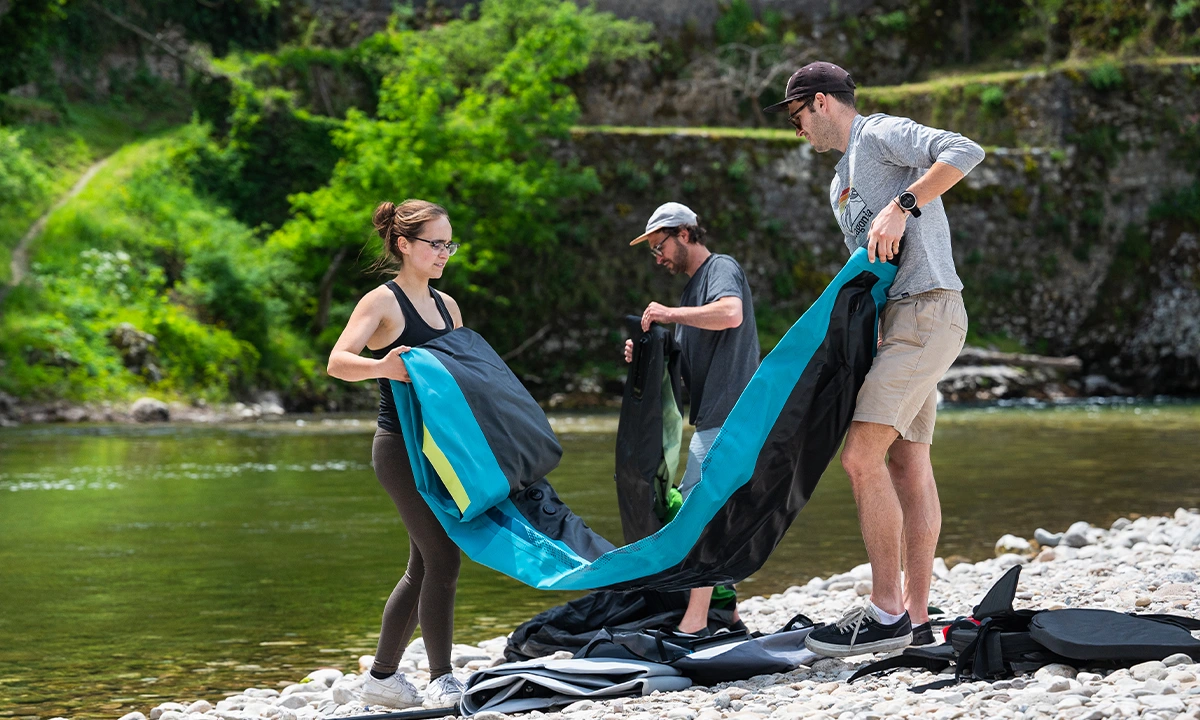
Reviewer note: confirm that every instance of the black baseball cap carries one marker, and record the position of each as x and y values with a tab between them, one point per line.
813	78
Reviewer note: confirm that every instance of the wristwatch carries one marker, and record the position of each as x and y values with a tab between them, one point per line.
908	203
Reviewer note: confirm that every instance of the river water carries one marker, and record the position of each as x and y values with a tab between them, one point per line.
144	564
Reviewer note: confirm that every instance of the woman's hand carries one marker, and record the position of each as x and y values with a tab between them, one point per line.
628	351
391	366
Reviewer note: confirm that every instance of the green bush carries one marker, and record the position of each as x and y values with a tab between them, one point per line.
23	179
1106	76
269	150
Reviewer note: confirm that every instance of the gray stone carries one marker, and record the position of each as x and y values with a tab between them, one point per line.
200	706
1147	670
137	350
1163	703
1055	670
1190	540
343	695
1176	659
325	676
1013	544
579	706
1046	538
1076	536
133	716
269	403
294	701
150	410
1058	684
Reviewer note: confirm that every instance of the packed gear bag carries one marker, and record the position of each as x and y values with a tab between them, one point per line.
572	625
545	684
723	657
998	642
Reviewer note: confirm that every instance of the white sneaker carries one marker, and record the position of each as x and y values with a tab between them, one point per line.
394	692
444	692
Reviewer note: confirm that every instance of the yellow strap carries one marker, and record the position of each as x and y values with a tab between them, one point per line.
445	471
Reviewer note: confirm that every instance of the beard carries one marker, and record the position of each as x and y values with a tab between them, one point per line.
677	260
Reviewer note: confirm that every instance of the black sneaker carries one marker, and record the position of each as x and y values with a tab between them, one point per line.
860	631
923	634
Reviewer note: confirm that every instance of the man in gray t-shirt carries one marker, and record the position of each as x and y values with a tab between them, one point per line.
886	196
714	324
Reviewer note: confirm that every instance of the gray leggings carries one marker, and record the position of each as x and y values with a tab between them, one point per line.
426	592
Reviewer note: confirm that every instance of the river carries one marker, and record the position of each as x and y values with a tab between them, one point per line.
140	564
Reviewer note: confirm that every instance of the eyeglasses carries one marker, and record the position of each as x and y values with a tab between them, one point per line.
656	250
793	117
439	245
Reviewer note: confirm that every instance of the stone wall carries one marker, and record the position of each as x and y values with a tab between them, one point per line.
1088	244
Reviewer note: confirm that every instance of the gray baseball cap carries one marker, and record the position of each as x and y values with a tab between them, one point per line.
668	215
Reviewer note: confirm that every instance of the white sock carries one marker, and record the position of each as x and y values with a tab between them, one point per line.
886	617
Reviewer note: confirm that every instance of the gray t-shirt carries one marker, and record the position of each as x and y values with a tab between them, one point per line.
884	157
717	364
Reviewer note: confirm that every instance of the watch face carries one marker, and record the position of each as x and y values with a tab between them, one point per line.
908	201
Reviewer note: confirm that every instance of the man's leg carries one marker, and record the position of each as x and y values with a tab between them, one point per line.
696	617
879	511
912	476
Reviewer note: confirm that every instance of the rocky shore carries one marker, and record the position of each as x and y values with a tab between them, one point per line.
1148	564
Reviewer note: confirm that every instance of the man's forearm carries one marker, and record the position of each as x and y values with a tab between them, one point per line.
723	314
933	184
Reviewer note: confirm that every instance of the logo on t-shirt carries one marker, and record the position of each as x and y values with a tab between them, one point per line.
853	214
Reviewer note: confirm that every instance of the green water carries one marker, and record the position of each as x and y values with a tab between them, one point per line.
140	564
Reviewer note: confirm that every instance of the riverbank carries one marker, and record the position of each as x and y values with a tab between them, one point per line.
978	376
1147	564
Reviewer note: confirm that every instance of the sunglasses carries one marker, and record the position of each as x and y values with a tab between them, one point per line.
656	250
793	118
439	245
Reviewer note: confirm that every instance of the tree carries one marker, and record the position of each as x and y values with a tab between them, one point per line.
468	117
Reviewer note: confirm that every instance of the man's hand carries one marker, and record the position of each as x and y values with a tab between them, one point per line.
656	313
391	366
628	351
883	239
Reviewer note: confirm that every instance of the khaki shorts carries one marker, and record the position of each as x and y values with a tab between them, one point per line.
922	336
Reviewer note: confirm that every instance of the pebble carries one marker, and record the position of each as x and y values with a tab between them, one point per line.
1153	669
1136	563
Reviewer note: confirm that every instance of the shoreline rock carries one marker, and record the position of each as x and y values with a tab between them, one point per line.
1148	562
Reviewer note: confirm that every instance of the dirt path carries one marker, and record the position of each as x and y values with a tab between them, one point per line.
20	254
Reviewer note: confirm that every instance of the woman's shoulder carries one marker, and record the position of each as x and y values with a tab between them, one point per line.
451	307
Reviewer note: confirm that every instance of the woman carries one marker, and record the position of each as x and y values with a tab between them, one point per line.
389	320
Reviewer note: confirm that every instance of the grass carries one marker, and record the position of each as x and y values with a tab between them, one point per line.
710	132
943	83
64	145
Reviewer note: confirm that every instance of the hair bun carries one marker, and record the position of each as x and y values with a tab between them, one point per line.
385	215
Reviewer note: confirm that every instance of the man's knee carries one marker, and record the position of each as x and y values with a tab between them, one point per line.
909	464
858	464
863	456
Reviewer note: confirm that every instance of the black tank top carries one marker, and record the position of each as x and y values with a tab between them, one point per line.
416	332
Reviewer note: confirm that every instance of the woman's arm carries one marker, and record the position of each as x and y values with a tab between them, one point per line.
345	363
